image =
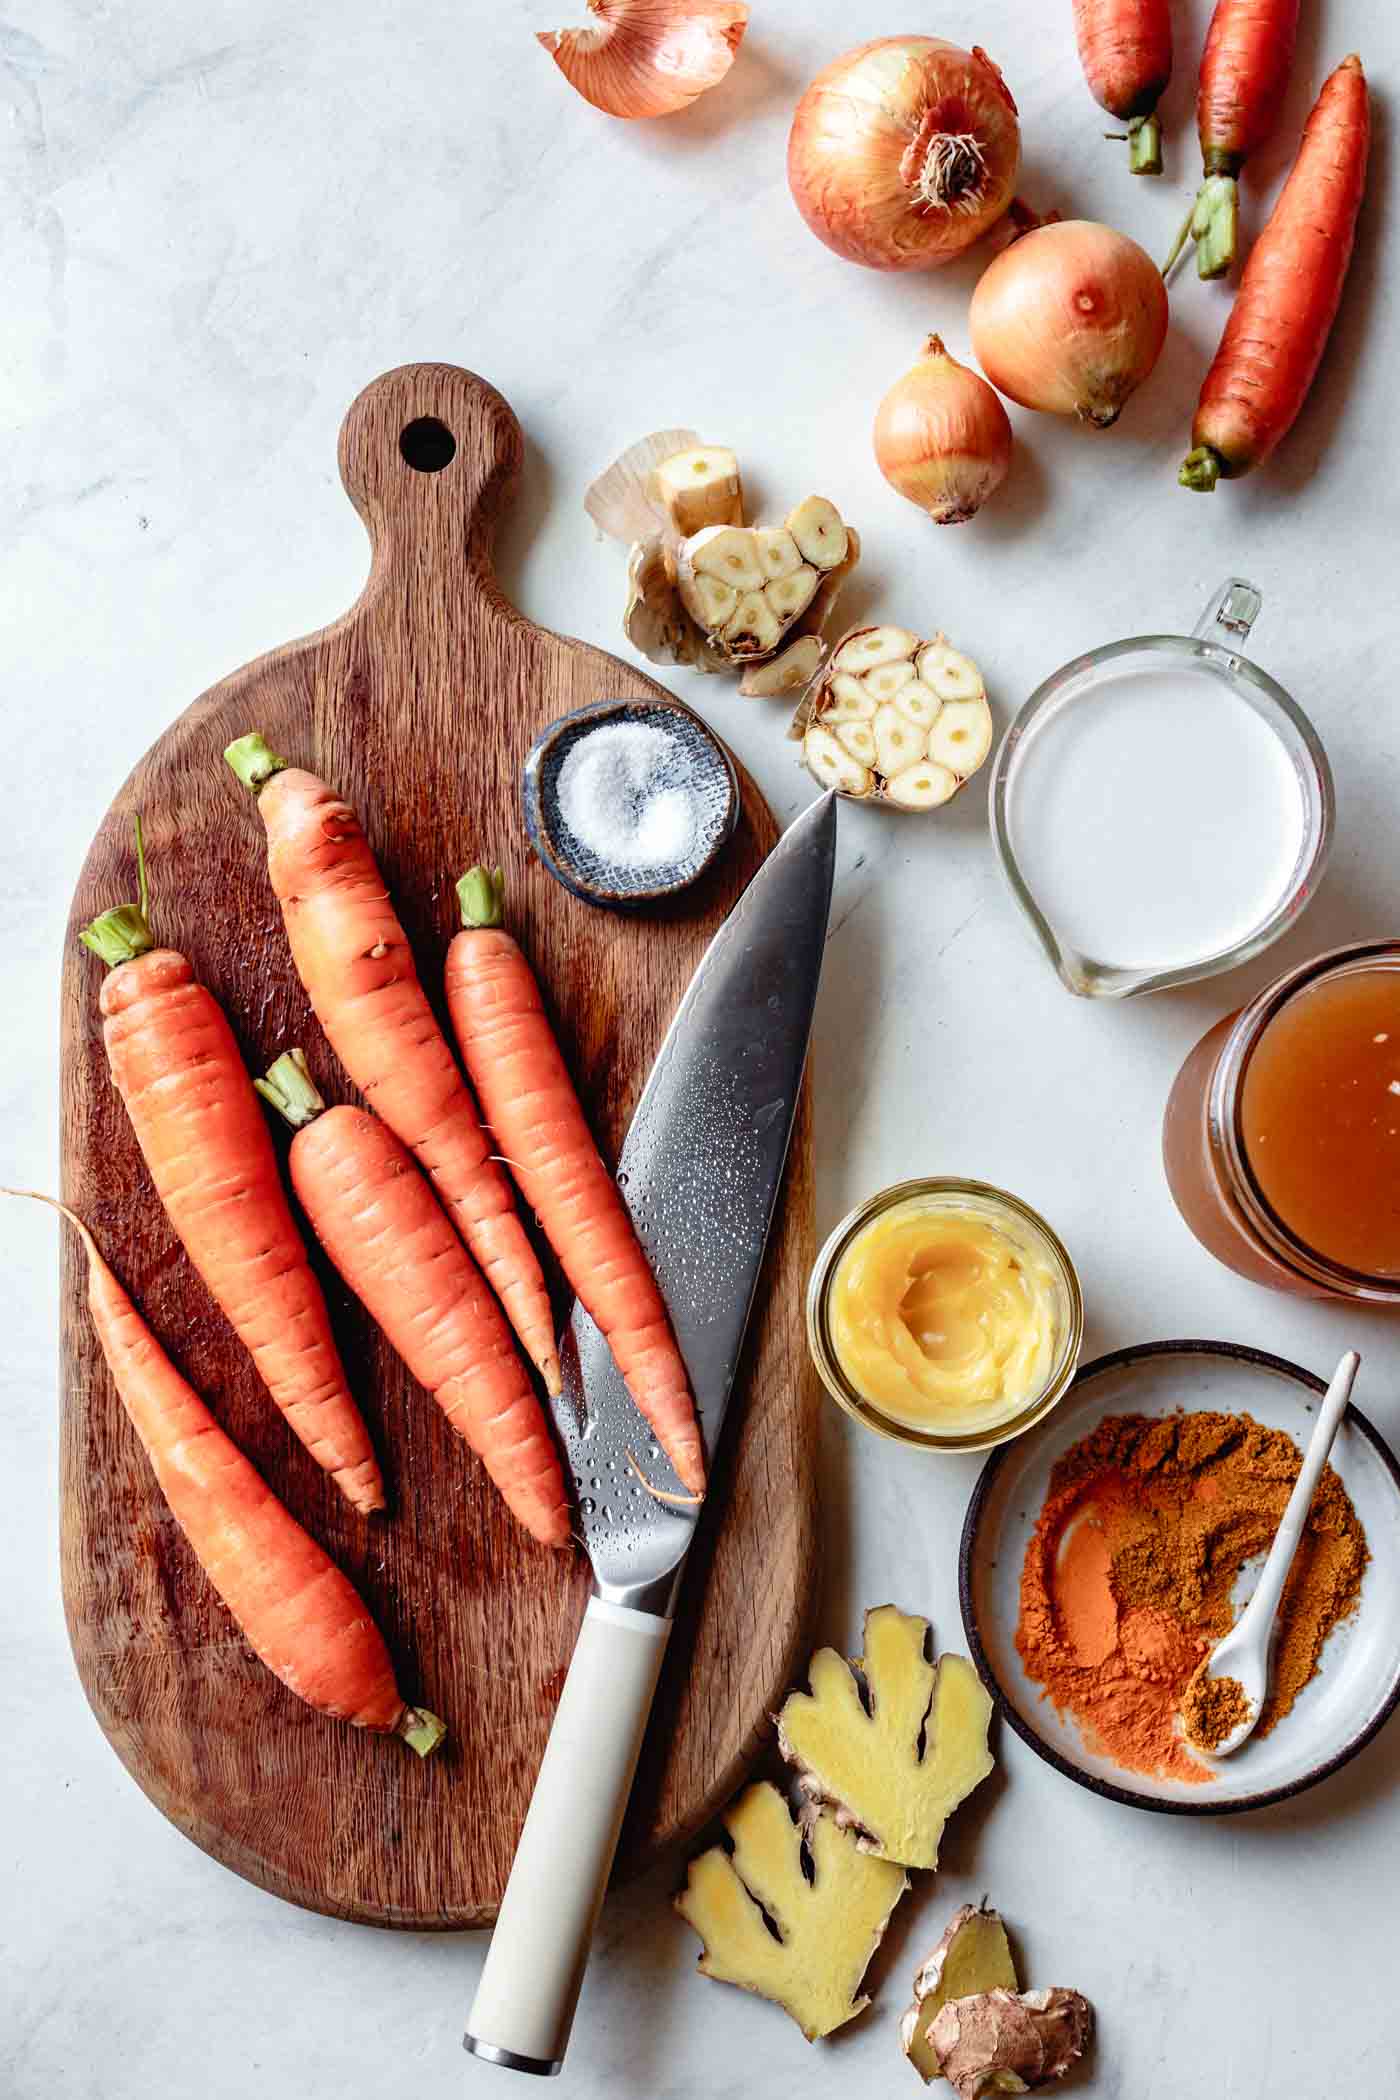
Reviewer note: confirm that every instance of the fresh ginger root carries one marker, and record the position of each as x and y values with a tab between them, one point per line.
868	1765
827	1928
1009	2041
971	1958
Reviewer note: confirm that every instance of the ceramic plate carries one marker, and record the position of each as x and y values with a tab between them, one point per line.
1358	1685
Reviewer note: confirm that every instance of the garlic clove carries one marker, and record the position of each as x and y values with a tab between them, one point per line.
922	786
621	501
814	620
791	595
833	766
898	743
869	647
849	692
725	551
856	737
776	551
951	675
886	679
699	487
646	58
820	535
787	672
754	627
706	599
962	735
919	702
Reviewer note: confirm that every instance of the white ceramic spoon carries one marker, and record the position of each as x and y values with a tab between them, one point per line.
1244	1652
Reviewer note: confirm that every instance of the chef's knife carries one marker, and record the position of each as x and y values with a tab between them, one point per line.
700	1171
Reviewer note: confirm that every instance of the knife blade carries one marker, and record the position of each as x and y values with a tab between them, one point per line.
700	1171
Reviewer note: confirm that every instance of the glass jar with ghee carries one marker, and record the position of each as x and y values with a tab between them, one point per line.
946	1314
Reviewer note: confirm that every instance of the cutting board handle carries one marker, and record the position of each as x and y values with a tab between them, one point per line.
427	454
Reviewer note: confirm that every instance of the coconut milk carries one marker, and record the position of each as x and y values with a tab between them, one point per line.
1156	819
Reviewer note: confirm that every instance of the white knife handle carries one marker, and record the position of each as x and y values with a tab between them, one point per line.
524	2005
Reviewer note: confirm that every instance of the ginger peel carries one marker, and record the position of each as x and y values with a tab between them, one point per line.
972	1957
1009	2041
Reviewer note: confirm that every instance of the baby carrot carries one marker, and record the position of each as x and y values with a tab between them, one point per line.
191	1103
1244	70
530	1103
353	957
300	1614
1289	294
382	1226
1125	48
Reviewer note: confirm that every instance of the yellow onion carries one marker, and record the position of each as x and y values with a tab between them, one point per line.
647	58
942	438
1069	319
904	152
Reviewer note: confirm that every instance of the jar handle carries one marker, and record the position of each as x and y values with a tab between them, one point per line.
1230	614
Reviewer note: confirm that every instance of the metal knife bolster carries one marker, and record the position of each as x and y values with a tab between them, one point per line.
700	1172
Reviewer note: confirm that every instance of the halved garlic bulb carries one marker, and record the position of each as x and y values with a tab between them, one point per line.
746	586
647	58
895	719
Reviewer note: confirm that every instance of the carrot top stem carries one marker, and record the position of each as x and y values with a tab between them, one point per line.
253	761
290	1089
124	932
421	1730
1145	145
481	894
1201	469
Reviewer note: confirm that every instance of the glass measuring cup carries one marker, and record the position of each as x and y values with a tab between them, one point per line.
1285	759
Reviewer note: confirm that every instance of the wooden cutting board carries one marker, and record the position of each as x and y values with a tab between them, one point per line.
420	706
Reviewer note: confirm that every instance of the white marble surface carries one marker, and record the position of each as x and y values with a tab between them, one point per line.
218	223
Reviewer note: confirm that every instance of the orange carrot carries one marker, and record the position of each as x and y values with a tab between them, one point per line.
1125	48
1244	70
177	1067
353	957
1288	296
301	1616
530	1103
385	1231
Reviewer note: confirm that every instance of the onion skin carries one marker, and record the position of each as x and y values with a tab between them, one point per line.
648	58
1069	320
867	135
942	437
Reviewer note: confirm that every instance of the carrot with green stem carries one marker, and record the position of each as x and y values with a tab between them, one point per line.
301	1616
205	1142
1289	294
530	1103
1244	71
1125	48
384	1229
352	956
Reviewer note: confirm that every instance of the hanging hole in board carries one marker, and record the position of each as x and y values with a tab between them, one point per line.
427	445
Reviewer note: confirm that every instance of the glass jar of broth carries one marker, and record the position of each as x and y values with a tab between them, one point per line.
1282	1133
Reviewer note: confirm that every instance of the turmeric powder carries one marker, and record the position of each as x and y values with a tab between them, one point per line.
1128	1575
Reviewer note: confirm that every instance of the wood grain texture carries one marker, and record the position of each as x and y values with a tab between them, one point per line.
420	706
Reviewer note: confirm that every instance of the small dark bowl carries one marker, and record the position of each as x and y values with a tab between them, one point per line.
570	861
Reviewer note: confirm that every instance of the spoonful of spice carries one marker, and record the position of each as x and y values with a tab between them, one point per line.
1225	1698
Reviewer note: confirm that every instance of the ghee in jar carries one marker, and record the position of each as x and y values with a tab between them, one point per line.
942	1320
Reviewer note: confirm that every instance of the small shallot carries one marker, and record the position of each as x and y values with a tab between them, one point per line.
904	151
942	437
647	58
1069	319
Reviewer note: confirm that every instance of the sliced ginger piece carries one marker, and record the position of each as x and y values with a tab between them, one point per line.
972	1957
896	1771
787	672
699	487
826	1929
1004	2041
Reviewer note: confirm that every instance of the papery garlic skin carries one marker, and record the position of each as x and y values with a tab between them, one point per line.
648	58
874	727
